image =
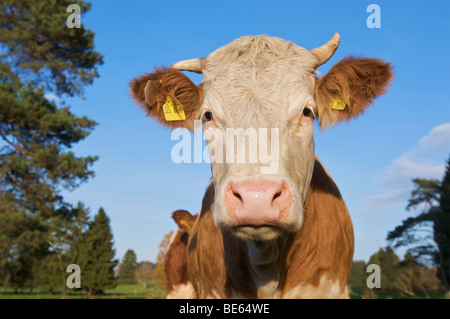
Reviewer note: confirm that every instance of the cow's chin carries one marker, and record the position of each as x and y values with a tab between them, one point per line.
260	233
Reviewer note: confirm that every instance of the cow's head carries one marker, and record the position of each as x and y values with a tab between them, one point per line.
264	91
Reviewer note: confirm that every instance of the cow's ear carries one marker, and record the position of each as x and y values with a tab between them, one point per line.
183	219
169	96
348	89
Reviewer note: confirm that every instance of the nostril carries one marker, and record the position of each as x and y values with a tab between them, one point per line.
237	195
276	195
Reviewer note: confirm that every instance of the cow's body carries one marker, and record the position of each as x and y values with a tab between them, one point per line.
314	262
273	223
178	284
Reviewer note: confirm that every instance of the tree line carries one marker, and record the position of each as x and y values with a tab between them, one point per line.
144	273
406	277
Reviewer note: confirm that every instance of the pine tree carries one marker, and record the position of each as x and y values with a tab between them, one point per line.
358	273
41	50
39	55
47	273
71	247
128	268
442	228
97	273
73	231
388	262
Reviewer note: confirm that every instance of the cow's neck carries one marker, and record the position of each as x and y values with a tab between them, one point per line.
263	257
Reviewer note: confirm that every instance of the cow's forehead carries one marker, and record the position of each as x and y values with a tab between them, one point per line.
259	52
254	78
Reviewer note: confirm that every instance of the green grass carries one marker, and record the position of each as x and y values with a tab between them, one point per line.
132	291
356	291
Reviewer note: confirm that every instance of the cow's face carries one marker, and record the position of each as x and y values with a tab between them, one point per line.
258	101
259	105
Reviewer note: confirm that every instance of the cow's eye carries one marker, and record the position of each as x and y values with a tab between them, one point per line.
207	116
307	112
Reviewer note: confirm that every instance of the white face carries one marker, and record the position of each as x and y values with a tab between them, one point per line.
262	90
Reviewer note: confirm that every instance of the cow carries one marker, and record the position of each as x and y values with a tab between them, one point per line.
267	229
178	285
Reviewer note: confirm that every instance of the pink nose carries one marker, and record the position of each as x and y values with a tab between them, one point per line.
257	203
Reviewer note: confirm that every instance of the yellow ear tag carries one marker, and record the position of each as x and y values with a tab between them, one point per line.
173	111
185	224
337	103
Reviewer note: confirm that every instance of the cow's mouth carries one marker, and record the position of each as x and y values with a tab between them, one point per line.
260	233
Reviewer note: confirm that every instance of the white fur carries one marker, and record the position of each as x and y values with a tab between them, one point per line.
263	82
325	290
182	291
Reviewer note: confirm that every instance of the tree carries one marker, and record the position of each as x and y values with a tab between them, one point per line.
70	245
39	56
428	234
415	277
406	277
389	266
442	228
73	231
158	273
144	273
358	273
41	50
47	273
98	267
22	242
388	262
128	268
34	166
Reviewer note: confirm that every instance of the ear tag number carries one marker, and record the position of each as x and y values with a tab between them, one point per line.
172	110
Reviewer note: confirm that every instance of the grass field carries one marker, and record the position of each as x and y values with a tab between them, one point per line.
356	291
134	291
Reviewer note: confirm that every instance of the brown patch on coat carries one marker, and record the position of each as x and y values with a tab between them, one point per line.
175	262
325	243
206	264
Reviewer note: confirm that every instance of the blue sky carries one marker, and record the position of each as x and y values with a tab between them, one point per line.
405	134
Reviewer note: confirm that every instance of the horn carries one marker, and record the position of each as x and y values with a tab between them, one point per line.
326	51
193	65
